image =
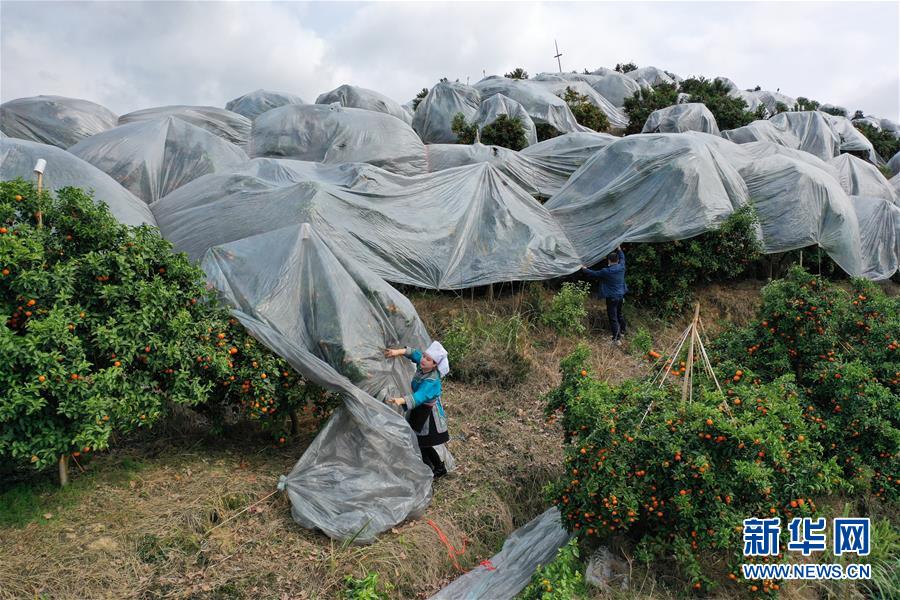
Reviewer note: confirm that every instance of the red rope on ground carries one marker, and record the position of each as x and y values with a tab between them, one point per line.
487	564
452	552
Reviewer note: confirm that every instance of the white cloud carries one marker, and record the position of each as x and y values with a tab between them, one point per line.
134	55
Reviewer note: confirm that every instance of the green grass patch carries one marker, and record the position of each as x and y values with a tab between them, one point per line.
27	502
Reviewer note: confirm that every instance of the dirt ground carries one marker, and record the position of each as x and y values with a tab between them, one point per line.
165	518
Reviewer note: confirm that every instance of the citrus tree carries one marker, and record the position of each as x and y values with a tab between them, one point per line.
103	328
678	477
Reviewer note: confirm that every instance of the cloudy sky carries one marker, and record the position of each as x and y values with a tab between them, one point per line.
132	55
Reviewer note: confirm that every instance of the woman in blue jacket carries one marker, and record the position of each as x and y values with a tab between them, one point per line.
424	410
613	288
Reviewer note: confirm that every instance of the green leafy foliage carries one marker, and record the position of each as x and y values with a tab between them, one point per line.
363	589
545	131
567	312
730	112
834	110
561	579
465	132
517	73
585	113
664	274
803	103
506	132
645	101
419	97
487	348
626	68
103	328
677	478
886	145
843	349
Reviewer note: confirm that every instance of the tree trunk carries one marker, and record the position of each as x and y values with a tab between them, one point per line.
295	422
63	470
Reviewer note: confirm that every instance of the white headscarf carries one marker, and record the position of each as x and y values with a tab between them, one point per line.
439	355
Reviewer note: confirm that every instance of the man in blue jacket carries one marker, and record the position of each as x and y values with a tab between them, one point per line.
613	288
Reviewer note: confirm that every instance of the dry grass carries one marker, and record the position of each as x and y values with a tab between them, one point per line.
161	531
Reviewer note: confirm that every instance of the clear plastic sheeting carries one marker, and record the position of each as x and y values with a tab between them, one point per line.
770	100
612	85
253	104
860	178
541	169
879	232
434	116
333	134
498	105
647	188
651	76
17	159
153	158
352	96
618	120
894	164
453	229
331	319
542	105
760	150
692	116
851	138
54	120
799	205
527	549
229	126
809	131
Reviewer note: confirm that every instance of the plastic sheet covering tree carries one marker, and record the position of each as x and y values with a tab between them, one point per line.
798	205
618	120
693	116
650	76
17	159
860	178
542	105
480	227
509	571
541	171
54	120
498	105
809	131
612	85
331	319
647	188
333	134
433	118
153	158
852	139
351	96
253	104
879	226
229	126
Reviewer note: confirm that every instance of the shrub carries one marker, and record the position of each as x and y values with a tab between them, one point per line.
487	348
645	101
585	113
642	341
419	97
545	131
506	132
465	132
730	112
517	73
842	348
834	110
665	273
805	104
104	328
626	68
561	579
567	312
886	145
678	478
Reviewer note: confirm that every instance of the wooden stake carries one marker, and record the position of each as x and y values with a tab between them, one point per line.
686	387
63	470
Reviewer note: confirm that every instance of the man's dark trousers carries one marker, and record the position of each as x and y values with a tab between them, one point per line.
616	318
